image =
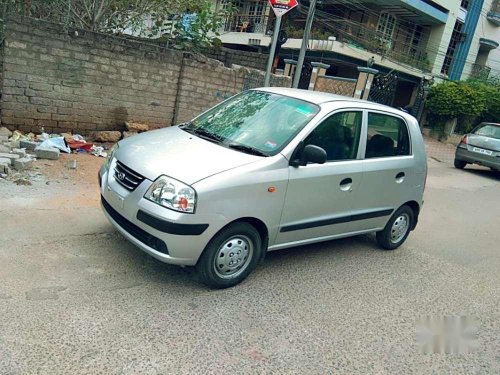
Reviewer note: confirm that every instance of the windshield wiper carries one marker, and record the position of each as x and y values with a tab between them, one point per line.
202	133
247	149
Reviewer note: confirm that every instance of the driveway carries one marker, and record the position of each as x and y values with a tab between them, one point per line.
76	298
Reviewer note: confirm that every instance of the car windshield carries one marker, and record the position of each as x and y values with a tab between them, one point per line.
255	122
488	130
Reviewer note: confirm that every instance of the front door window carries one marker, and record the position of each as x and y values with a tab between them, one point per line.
338	135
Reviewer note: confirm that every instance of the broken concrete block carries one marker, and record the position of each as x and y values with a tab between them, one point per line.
106	136
28	145
5	132
19	151
11	157
4	138
22	163
136	127
129	134
4	165
14	144
49	153
5	169
4	148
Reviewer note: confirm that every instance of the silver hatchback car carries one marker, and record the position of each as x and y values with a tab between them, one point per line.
267	169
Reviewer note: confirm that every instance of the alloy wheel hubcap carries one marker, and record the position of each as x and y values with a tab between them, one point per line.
233	256
400	228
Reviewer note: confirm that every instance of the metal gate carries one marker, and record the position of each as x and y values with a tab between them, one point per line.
305	76
418	105
383	89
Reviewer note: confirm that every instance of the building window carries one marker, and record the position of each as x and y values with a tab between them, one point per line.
465	4
386	25
456	38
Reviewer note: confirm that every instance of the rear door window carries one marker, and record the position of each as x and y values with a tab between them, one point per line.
387	136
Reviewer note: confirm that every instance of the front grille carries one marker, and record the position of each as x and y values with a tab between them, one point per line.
134	230
126	177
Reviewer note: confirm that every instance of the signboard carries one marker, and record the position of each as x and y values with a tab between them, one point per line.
281	7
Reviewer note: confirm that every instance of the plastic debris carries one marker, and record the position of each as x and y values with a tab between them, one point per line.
56	142
98	151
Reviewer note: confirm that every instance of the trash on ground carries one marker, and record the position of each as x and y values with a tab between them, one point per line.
99	151
71	164
56	142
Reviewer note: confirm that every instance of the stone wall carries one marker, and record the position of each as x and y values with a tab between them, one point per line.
75	80
205	82
244	58
86	81
1	67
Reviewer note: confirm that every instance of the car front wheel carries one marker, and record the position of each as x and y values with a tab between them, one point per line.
230	256
397	229
460	164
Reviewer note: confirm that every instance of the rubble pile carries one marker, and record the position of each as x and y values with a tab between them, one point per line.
19	151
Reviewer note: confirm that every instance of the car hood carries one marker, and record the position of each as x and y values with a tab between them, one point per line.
178	154
483	142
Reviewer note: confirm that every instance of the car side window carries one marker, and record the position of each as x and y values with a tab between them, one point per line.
338	135
387	136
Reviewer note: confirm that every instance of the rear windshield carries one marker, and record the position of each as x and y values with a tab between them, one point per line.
488	130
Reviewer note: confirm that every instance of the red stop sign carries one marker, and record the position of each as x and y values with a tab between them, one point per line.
282	7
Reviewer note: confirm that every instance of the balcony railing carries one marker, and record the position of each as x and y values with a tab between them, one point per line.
362	36
480	71
247	23
494	13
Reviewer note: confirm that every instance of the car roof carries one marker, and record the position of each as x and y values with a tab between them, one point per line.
317	97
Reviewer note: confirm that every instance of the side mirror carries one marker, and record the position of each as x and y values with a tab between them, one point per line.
310	154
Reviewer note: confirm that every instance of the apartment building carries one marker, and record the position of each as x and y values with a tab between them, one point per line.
452	39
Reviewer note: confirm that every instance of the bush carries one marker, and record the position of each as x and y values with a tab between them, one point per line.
452	99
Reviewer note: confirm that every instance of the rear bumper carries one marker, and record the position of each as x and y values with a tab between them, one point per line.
477	158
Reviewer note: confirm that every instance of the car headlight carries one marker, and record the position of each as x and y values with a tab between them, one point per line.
111	154
173	194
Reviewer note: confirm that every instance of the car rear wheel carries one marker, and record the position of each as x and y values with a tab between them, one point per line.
460	164
397	229
230	256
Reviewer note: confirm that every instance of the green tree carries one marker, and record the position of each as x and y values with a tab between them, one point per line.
146	18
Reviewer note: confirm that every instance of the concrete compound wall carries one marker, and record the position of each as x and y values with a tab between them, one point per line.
75	80
244	58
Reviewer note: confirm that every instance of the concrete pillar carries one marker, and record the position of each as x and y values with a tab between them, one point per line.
290	66
364	84
319	69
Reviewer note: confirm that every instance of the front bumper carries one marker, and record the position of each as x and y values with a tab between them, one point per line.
169	236
477	158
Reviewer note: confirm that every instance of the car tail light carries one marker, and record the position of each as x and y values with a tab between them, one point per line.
464	140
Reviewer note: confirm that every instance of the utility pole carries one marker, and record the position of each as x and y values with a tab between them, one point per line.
305	41
272	52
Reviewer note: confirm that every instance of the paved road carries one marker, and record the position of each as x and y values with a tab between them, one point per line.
76	298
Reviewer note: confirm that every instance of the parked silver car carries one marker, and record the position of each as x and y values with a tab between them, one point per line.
481	146
267	169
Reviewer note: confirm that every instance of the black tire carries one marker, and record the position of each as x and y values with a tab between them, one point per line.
240	235
459	164
385	238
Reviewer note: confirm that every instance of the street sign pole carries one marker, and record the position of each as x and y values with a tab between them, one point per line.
270	61
305	41
280	8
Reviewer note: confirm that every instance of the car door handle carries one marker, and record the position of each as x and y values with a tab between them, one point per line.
346	184
400	177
